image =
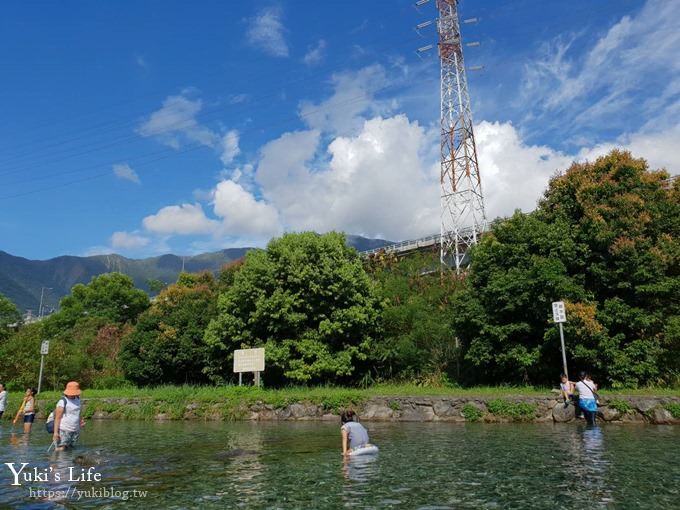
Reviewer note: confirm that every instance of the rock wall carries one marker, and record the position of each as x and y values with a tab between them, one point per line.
536	410
547	409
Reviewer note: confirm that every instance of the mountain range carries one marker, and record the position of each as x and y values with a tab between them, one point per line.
23	280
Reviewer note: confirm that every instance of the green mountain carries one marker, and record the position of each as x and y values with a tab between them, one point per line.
22	280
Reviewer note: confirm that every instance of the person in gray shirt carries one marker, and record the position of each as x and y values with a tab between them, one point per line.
354	435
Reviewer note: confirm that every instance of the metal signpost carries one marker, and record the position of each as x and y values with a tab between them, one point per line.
249	360
560	316
44	349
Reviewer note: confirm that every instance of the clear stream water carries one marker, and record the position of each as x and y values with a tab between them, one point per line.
298	465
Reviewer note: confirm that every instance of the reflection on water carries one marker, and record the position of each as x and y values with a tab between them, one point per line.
298	465
359	468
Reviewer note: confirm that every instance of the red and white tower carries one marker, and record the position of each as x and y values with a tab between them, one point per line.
462	203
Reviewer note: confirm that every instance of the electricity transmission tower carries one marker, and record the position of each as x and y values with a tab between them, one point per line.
462	203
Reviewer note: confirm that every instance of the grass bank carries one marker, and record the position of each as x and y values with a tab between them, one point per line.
232	402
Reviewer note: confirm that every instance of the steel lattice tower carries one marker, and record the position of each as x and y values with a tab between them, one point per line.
462	203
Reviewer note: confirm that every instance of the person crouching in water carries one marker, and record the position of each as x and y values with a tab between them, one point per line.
587	399
354	435
67	421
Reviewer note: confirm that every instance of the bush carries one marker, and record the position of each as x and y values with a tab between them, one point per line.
472	413
674	409
620	405
514	410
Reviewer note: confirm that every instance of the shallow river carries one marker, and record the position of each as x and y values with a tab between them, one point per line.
298	465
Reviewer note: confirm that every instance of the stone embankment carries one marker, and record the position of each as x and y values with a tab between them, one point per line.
621	409
656	410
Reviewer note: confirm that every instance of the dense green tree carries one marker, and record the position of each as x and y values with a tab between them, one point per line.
9	315
166	346
20	360
155	285
111	295
605	239
308	300
517	271
417	343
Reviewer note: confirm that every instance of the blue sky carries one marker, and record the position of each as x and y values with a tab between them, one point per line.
144	128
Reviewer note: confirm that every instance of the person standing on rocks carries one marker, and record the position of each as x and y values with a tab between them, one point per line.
587	397
568	395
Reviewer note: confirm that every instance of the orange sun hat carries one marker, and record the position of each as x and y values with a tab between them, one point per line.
72	389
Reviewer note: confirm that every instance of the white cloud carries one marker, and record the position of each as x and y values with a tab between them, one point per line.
242	214
315	54
126	172
230	148
266	32
658	148
176	121
375	183
638	53
184	219
353	95
381	182
238	98
128	241
384	182
515	174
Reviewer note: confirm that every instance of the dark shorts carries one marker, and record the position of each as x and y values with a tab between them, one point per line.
28	418
1	413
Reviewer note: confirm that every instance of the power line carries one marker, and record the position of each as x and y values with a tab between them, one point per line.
260	77
164	154
130	123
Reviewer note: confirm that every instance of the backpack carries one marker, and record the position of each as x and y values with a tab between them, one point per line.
49	424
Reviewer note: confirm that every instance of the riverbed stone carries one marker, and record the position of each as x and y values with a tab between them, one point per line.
645	405
563	414
297	410
660	416
378	411
608	413
444	408
417	412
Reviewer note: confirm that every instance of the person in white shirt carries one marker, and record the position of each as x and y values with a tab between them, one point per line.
3	399
587	397
67	421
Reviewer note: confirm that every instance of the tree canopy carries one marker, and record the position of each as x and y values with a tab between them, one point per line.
604	238
167	345
308	300
9	315
111	295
